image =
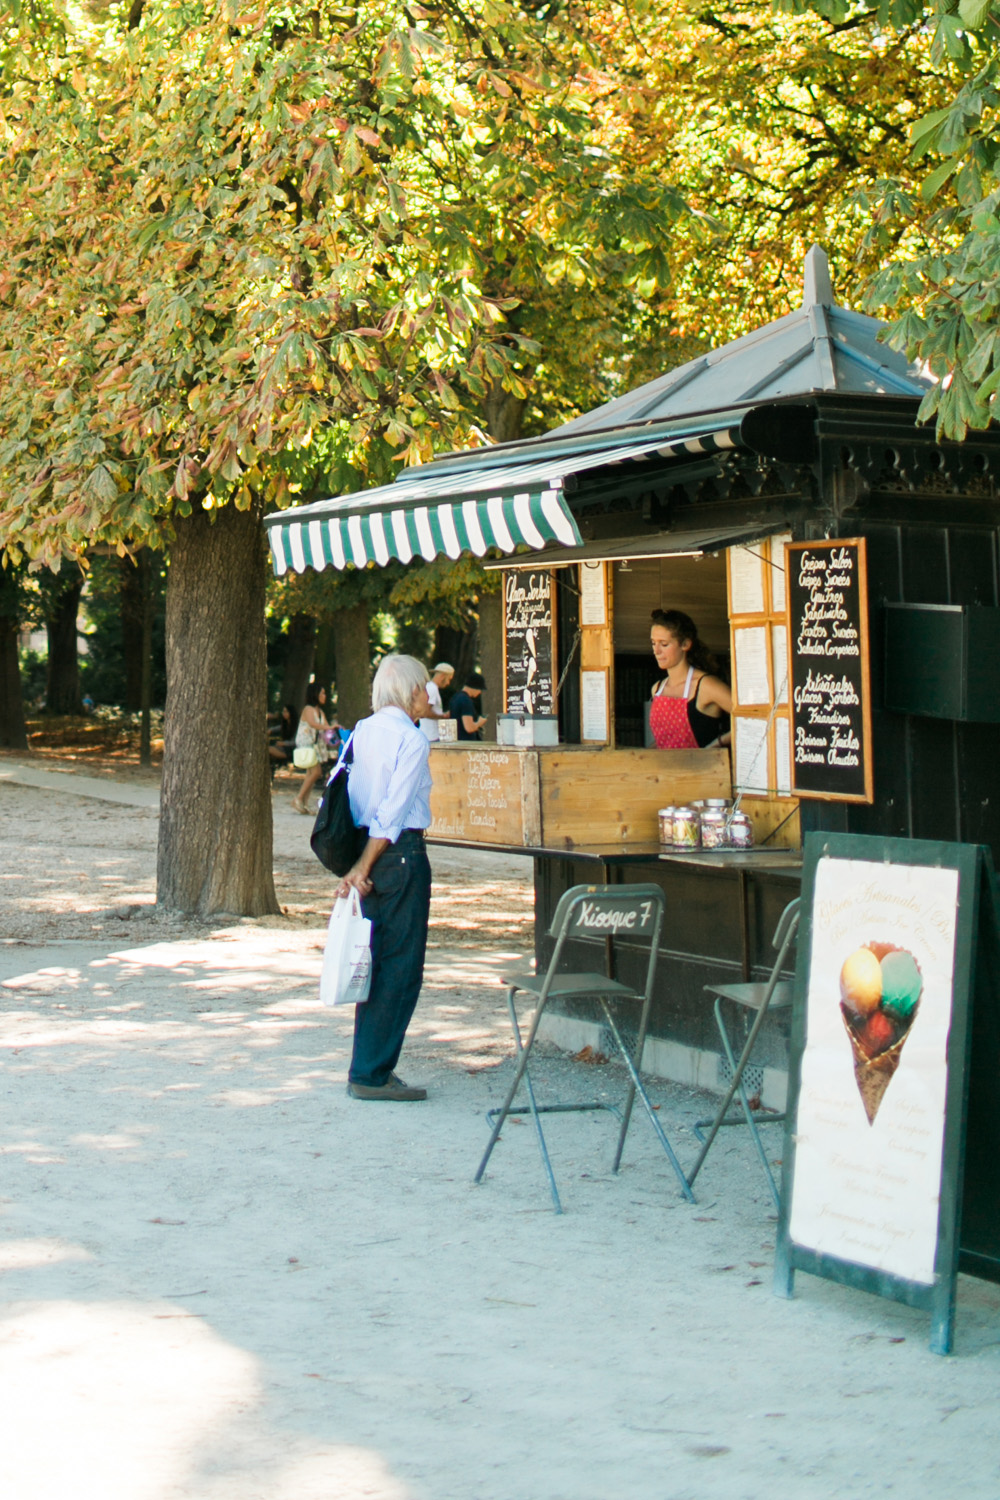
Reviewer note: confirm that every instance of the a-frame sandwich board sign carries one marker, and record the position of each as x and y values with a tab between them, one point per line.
895	1047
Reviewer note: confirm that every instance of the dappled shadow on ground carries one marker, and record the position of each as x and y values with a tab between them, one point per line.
151	1404
228	1281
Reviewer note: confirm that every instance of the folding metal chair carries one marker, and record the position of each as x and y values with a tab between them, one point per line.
772	993
634	912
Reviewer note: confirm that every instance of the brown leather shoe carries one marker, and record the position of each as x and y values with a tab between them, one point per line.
394	1089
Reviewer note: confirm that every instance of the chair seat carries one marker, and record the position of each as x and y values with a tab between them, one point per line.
752	994
573	984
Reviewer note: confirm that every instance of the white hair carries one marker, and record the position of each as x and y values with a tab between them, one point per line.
396	681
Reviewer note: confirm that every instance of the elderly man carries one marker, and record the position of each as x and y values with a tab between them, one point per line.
440	678
390	787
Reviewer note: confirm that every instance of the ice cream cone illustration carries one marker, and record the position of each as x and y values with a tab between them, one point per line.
880	988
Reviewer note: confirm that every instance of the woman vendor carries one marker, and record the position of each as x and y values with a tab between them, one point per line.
690	706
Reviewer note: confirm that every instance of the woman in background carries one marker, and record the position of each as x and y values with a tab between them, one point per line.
690	706
310	732
283	734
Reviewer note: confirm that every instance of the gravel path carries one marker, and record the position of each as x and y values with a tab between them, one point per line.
227	1281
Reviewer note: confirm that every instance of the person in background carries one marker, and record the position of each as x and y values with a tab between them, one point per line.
283	733
465	708
439	678
310	732
690	706
389	790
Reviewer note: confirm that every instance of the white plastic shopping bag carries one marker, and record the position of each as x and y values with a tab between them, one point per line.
347	961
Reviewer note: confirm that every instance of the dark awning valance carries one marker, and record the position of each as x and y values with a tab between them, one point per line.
448	508
663	544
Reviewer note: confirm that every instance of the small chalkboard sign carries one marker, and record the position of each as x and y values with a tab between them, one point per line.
894	990
829	693
528	641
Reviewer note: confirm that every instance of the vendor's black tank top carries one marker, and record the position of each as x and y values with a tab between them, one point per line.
703	726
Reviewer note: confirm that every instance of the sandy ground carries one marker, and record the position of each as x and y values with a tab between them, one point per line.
227	1281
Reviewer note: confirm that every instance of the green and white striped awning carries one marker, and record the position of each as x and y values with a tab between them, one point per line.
447	528
469	503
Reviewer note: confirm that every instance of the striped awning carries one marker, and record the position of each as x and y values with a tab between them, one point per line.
504	522
471	503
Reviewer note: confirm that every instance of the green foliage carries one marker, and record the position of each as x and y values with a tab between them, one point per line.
225	234
102	668
936	235
34	672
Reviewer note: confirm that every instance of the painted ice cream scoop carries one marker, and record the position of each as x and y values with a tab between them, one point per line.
880	989
861	982
901	985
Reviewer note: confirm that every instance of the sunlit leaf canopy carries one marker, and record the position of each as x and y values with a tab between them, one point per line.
935	228
225	233
256	256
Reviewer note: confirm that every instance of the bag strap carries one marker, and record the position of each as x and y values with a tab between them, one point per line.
345	758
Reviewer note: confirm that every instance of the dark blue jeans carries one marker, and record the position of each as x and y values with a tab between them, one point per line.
399	906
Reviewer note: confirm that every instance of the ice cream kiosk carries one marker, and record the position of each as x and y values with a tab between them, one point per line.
841	563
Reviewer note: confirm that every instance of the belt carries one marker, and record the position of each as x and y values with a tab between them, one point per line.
409	834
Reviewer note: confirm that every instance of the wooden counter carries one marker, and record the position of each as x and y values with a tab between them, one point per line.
566	794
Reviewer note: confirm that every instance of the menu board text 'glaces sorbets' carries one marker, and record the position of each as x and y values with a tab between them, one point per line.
829	693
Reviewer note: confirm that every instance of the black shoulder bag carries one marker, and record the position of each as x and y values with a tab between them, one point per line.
335	841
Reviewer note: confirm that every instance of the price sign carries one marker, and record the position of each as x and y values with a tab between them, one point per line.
829	692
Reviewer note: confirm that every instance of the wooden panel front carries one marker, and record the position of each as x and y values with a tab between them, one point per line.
485	793
565	795
606	796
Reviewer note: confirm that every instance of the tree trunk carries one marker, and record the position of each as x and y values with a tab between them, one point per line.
146	653
324	668
461	648
491	657
62	683
131	617
215	852
13	734
503	413
298	661
352	648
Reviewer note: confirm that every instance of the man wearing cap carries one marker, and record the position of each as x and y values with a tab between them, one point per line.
465	708
439	678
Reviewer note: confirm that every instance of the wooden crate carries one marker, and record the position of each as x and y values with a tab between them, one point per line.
565	795
486	794
613	796
775	821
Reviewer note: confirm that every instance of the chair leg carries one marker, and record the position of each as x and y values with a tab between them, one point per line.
736	1086
640	1047
523	1050
638	1088
546	1163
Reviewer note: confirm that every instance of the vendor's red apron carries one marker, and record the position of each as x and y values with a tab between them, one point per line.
669	723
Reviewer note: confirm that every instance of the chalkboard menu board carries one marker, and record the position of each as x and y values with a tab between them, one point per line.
828	670
528	641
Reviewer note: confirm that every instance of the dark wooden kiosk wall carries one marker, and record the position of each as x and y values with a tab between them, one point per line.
930	516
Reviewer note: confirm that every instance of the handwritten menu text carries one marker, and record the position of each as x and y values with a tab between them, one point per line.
828	648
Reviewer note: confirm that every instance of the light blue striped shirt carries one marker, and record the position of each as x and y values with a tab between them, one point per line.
390	783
